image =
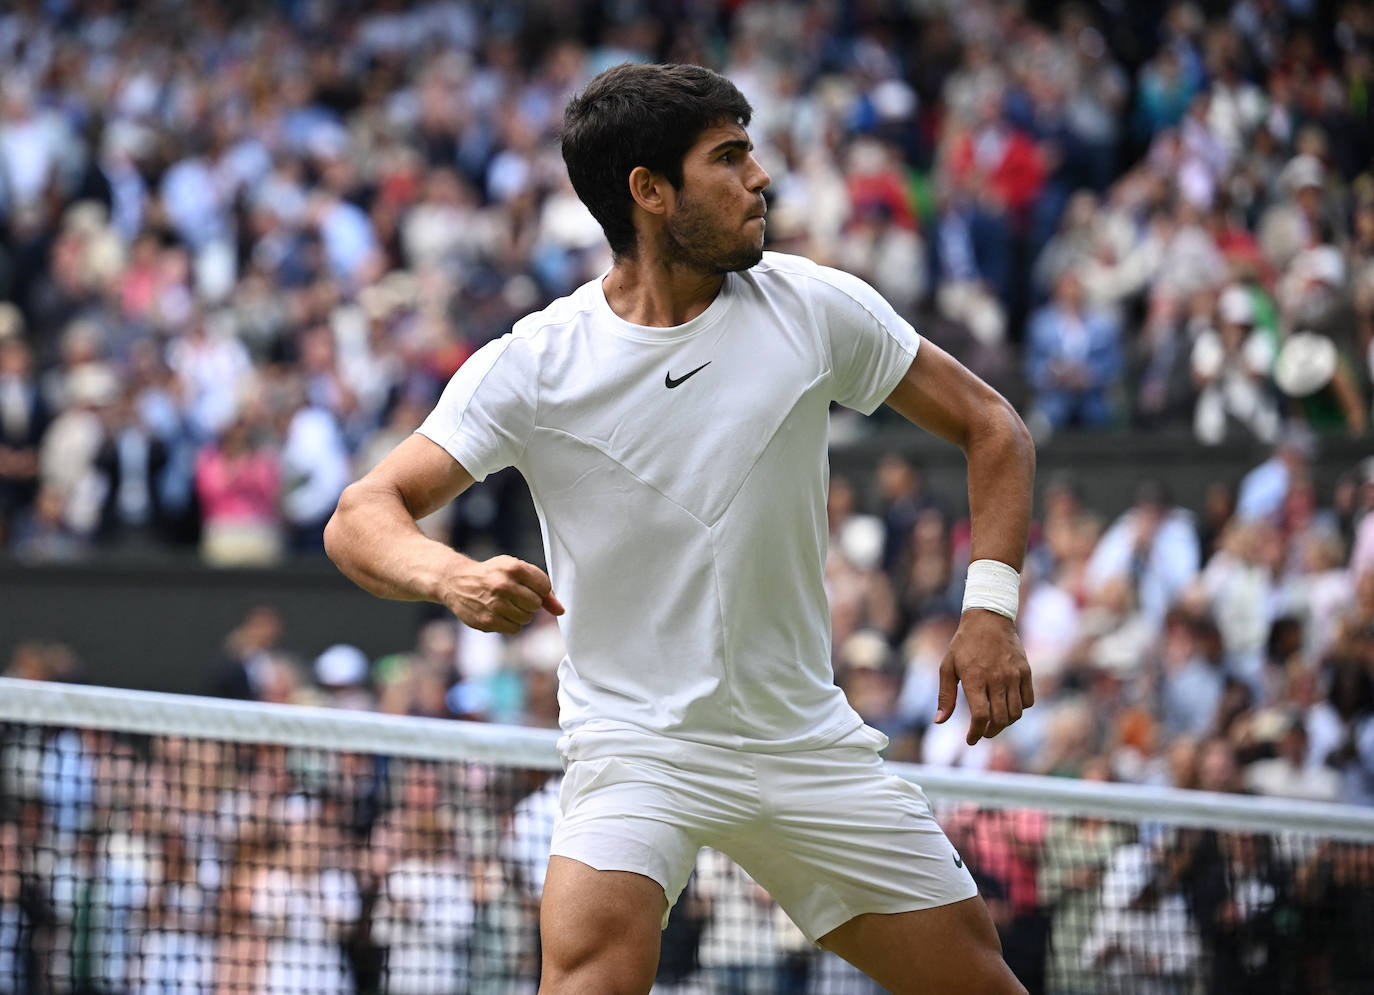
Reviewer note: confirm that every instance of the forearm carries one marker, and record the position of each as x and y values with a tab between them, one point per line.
945	399
373	539
1001	475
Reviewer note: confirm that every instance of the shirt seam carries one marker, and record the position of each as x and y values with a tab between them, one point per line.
462	416
649	484
516	334
748	473
825	339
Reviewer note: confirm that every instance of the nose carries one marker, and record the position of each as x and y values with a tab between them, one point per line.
759	178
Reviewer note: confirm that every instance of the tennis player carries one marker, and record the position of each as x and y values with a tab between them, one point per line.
671	418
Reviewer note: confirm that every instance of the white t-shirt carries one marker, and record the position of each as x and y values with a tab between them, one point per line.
680	478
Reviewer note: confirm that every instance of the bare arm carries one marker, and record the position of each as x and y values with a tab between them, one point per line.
941	396
372	537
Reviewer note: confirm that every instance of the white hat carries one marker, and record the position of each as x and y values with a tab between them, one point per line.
341	665
1235	306
1325	263
866	650
11	321
861	541
93	384
1303	171
1305	364
540	648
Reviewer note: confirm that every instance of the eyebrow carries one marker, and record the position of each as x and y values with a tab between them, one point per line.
741	144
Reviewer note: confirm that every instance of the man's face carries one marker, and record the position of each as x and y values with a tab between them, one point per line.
715	223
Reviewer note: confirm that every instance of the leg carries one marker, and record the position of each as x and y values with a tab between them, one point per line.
951	949
599	930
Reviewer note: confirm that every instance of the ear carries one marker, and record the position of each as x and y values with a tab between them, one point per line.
649	189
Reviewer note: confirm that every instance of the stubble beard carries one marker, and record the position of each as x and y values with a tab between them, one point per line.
695	240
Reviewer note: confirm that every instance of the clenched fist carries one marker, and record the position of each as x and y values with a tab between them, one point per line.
500	594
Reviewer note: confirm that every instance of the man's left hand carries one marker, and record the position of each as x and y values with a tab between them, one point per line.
986	656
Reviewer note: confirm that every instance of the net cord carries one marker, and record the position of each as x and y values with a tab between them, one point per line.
153	713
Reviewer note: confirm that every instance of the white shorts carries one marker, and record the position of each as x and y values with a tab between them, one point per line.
828	833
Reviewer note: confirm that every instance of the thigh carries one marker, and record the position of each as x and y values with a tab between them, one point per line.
949	950
599	930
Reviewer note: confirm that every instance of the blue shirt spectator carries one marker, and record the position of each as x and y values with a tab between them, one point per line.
1073	359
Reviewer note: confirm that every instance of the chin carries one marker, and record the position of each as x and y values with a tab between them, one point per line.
745	260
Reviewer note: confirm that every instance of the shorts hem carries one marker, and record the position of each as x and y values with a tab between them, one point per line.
843	916
670	900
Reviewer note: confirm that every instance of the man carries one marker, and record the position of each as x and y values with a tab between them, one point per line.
1073	358
671	421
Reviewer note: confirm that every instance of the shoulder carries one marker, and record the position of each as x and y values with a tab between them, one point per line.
573	309
826	286
526	347
780	268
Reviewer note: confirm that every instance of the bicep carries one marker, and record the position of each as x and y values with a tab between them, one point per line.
421	473
940	395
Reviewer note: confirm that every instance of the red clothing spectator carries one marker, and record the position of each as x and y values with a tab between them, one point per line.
1001	160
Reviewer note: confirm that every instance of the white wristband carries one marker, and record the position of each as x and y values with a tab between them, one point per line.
994	586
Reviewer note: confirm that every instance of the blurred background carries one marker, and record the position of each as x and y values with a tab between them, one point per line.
243	246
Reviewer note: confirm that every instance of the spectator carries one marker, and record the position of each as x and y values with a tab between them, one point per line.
343	672
1154	546
1239	585
1341	729
306	903
23	419
66	460
1287	774
1190	678
17	918
1069	881
1322	383
425	912
130	464
1144	940
212	365
176	956
315	470
1073	359
239	486
1230	367
1264	488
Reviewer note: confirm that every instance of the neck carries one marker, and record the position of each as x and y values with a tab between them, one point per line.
657	292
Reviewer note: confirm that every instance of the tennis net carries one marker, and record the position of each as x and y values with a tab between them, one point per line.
166	844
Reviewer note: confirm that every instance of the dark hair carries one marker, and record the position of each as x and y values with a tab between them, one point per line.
639	115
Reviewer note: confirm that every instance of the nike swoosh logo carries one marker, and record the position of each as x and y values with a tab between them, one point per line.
670	383
957	861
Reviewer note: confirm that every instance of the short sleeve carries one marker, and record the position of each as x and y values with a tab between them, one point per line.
871	345
486	413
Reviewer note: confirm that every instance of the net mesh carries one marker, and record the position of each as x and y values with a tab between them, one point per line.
158	845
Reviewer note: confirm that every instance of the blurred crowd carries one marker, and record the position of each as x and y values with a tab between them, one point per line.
1230	649
158	865
241	254
242	247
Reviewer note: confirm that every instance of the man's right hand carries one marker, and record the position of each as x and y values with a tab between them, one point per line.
500	594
